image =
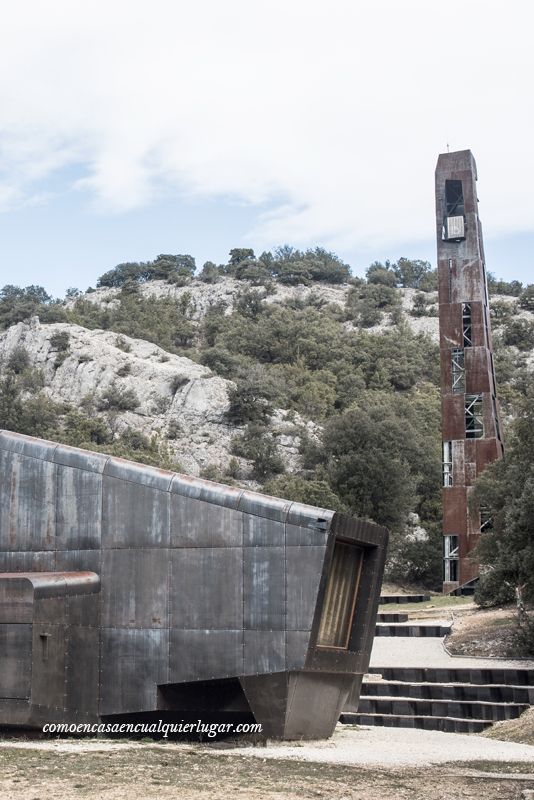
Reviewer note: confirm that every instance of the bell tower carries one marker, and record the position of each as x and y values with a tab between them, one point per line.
471	429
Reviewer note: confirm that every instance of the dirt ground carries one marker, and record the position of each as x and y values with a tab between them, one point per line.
514	730
186	772
488	633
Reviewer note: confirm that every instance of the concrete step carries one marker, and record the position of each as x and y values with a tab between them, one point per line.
412	629
401	617
492	693
479	675
403	598
407	706
451	724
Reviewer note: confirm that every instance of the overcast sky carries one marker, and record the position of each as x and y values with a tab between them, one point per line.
129	129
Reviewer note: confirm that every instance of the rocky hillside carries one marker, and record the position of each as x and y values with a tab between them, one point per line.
227	291
280	372
158	393
174	397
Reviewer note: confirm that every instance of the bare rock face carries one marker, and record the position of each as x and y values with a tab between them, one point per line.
172	396
204	296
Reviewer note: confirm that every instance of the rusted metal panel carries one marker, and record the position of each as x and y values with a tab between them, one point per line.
134	588
297	645
263	506
27	503
133	663
453	417
455	510
477	370
15	660
12	561
134	515
315	533
204	579
197	523
265	651
82	668
78	509
450	329
202	655
264	588
16	600
262	531
486	452
304	570
48	664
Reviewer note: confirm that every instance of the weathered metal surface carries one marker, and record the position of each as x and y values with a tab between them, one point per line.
265	651
133	663
205	655
15	660
304	570
130	582
134	588
263	531
463	301
204	580
264	588
197	523
147	522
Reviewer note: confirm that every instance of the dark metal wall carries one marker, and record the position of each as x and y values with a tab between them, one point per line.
462	279
191	583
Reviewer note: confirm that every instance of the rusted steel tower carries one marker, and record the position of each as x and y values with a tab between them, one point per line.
470	416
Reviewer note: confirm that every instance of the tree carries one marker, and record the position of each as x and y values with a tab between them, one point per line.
378	273
18	305
526	298
239	254
313	491
420	305
506	491
210	273
411	272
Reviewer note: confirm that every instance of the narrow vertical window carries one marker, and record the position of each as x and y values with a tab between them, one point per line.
447	463
467	325
340	596
474	421
454	223
450	558
458	370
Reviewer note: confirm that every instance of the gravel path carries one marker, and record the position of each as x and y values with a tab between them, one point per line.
394	747
361	746
393	651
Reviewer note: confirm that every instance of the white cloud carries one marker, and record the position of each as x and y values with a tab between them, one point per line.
334	113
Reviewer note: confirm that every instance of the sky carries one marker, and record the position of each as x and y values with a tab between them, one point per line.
129	129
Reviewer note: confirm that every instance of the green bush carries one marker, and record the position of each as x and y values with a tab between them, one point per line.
115	398
60	340
19	360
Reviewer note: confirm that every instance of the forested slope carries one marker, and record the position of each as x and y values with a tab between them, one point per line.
282	372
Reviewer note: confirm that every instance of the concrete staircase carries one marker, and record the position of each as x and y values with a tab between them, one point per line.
457	700
398	624
400	599
413	629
